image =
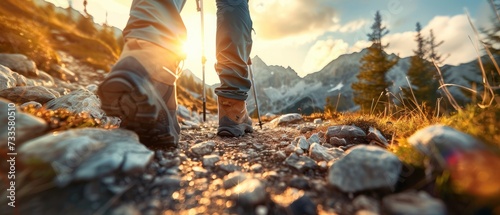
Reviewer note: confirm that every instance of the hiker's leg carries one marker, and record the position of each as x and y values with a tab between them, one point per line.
233	46
140	88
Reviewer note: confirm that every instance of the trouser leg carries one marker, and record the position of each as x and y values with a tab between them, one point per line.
233	46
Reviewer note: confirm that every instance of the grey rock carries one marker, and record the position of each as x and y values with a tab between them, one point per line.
79	101
233	179
229	167
256	167
92	88
302	143
210	160
281	155
365	168
167	181
290	148
351	133
300	163
29	93
304	129
199	171
320	153
299	183
366	203
203	148
375	135
249	192
87	154
314	138
413	203
6	78
286	119
46	79
337	142
299	151
19	63
295	202
318	121
26	126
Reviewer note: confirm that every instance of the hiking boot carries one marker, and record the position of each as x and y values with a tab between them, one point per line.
133	91
233	118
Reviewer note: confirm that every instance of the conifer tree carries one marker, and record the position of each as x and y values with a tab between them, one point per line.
374	66
421	73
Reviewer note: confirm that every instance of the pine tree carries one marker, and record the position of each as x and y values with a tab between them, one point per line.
421	73
374	66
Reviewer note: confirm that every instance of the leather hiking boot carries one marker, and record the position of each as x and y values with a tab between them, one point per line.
133	92
233	118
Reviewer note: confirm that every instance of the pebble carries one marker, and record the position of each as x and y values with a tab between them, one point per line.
256	167
337	142
302	143
318	121
210	160
233	179
413	203
300	163
203	148
249	192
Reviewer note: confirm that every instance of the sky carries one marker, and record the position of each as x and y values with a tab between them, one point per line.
307	35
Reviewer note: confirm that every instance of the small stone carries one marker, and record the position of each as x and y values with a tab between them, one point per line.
249	192
281	155
229	167
286	119
363	202
256	167
261	210
300	163
323	165
351	133
295	202
290	148
299	183
233	179
337	142
305	129
320	153
270	174
210	160
318	121
375	135
199	171
167	181
299	151
302	143
203	148
314	138
259	146
413	203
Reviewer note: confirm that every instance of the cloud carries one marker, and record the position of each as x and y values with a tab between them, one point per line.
275	19
322	53
353	26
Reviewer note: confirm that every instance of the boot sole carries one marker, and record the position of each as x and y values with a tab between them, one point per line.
134	99
231	129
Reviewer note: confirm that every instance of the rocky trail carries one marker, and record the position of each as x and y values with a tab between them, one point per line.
291	166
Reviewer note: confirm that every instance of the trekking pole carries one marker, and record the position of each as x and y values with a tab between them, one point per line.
199	5
250	70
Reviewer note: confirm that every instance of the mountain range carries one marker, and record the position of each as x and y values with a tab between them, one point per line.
281	90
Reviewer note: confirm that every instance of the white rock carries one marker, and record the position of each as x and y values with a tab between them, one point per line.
203	148
286	119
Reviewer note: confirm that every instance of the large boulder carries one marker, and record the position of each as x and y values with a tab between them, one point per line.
86	154
286	119
365	168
